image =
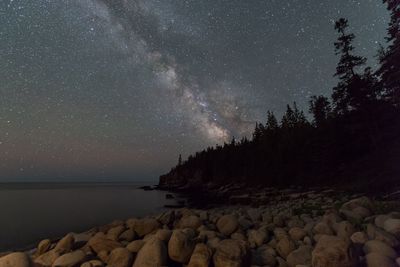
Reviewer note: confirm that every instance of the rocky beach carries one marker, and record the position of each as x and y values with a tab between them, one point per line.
281	228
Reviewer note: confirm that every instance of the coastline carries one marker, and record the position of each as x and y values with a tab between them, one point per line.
278	228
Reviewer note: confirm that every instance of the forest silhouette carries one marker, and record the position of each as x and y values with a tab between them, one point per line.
353	139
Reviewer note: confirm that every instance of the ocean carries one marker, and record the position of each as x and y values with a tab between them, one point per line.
31	212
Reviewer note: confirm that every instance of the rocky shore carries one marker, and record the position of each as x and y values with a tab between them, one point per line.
321	229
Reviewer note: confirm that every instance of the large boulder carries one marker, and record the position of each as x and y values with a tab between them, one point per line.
257	237
285	246
344	229
297	233
300	256
143	226
16	259
115	232
227	224
120	257
191	221
332	251
357	209
181	245
392	226
43	247
70	259
152	254
377	246
232	253
135	246
201	256
65	244
99	242
47	259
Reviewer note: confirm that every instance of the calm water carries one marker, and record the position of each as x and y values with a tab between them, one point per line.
31	212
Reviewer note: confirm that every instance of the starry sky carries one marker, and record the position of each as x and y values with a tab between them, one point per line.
116	90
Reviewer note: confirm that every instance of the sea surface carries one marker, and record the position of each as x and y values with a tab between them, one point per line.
30	212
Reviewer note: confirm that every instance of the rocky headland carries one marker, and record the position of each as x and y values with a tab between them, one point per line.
320	229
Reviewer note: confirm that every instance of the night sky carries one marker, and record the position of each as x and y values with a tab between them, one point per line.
116	90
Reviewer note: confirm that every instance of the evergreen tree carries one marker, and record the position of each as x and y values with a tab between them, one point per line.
180	160
288	118
320	108
390	58
272	122
346	70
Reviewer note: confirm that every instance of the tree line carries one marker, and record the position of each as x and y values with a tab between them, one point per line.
352	139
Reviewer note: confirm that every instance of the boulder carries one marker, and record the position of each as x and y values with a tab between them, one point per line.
181	245
374	232
392	226
297	233
227	224
167	217
257	237
300	256
114	232
201	256
70	259
47	259
344	229
280	233
99	242
377	246
378	260
120	257
92	263
332	251
380	220
65	244
322	228
43	247
152	254
191	221
127	235
135	246
284	247
16	259
164	235
143	226
232	253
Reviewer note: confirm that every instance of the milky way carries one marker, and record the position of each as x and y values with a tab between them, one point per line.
116	90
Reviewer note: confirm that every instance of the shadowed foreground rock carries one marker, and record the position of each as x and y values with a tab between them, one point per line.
314	229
